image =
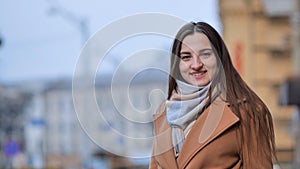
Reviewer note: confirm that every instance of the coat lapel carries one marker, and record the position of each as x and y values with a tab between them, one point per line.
163	148
212	122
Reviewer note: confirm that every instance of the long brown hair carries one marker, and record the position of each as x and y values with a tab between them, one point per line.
256	125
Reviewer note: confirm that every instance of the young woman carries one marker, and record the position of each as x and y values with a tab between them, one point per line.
211	118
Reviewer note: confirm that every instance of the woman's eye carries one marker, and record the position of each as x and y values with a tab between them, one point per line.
205	55
185	58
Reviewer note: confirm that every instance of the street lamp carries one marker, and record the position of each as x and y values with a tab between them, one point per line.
81	23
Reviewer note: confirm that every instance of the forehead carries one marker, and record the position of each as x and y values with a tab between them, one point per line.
196	42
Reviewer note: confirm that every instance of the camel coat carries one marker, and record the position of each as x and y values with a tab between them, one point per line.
212	143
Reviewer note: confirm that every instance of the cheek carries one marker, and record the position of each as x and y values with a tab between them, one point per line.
212	67
183	67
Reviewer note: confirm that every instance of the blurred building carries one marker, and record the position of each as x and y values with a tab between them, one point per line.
56	138
13	101
259	36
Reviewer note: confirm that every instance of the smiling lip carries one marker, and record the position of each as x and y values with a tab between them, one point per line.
198	75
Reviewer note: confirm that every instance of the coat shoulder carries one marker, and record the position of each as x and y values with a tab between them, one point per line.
160	110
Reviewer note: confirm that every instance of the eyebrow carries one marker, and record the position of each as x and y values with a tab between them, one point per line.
202	50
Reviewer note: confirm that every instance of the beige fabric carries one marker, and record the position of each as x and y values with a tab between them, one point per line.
218	149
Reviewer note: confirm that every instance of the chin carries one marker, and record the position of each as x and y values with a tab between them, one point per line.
200	83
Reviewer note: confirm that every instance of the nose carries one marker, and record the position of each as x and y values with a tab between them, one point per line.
196	63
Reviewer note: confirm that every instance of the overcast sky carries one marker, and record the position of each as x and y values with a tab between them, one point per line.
41	45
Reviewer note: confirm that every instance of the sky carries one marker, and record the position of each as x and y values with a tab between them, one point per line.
39	44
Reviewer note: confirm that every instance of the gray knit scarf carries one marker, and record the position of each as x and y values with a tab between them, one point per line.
183	108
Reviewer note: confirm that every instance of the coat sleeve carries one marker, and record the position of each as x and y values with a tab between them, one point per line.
153	163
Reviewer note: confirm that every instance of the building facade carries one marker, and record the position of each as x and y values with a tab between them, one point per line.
258	34
62	132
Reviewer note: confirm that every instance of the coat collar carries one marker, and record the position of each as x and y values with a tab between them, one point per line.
213	121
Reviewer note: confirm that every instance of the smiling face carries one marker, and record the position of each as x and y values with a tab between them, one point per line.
198	63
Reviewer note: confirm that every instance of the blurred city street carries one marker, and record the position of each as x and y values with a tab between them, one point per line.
64	105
